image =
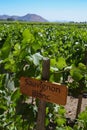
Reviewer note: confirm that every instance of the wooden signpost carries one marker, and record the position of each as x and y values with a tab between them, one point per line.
44	90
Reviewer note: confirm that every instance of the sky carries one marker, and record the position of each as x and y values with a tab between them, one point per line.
52	10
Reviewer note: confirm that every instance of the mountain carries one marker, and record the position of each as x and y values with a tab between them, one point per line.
27	17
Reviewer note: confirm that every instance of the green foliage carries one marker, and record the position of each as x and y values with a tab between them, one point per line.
55	114
64	128
76	73
27	37
22	48
81	123
61	63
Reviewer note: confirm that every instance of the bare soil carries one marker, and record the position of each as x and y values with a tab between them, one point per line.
71	106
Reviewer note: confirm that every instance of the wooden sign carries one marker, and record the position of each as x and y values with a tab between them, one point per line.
44	90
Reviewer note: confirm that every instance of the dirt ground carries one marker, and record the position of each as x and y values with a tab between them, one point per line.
71	106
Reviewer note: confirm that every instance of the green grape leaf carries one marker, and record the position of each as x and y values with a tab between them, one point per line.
60	121
76	73
5	50
47	121
27	36
17	49
15	95
82	66
2	109
61	63
37	58
53	62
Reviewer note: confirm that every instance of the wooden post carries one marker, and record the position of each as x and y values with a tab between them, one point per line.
81	84
42	104
79	105
86	57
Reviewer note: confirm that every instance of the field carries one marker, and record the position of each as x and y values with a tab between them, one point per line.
22	49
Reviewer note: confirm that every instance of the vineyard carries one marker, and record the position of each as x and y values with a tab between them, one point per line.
22	49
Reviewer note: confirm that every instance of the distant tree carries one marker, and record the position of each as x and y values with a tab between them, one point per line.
10	19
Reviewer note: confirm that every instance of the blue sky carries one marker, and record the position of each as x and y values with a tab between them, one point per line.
52	10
